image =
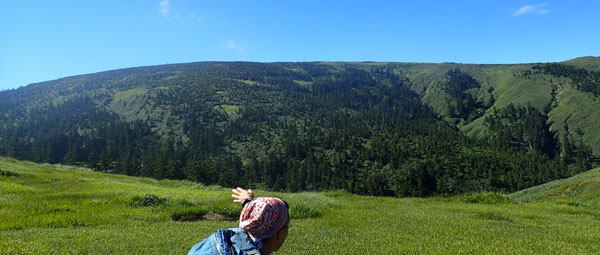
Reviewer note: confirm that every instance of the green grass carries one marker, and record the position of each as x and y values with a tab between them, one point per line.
303	83
248	82
229	109
128	93
54	209
170	77
579	190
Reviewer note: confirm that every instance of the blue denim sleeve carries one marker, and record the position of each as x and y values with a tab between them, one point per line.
217	243
205	247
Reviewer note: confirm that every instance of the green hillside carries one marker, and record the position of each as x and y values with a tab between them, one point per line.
55	209
580	190
370	128
590	63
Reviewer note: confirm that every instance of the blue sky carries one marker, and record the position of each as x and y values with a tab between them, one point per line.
44	40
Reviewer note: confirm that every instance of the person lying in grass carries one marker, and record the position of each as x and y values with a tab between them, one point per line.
264	223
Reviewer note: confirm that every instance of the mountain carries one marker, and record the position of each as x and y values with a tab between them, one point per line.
403	129
71	210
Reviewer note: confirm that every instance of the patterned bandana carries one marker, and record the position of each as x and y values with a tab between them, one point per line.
263	217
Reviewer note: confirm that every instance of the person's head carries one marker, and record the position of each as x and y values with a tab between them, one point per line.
266	219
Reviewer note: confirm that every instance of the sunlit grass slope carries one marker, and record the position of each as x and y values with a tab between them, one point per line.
590	63
53	209
582	190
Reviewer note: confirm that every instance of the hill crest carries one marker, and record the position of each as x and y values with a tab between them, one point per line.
400	128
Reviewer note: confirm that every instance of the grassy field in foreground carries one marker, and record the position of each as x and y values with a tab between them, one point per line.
53	209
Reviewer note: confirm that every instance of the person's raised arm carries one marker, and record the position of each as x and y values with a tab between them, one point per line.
242	196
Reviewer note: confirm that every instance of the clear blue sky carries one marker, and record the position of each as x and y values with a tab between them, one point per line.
44	40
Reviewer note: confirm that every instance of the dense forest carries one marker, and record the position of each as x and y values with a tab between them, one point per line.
584	80
287	126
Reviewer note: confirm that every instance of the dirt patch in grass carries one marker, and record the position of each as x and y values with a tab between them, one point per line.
200	216
216	216
205	213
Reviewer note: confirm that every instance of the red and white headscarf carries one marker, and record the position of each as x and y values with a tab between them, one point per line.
263	217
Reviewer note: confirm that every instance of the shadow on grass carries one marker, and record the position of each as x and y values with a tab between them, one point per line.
7	173
206	213
487	198
492	216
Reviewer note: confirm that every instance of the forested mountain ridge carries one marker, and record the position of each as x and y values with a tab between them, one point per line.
373	128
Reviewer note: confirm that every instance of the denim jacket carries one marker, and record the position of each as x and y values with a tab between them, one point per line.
233	241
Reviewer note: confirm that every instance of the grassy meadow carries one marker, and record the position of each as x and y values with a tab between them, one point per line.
55	209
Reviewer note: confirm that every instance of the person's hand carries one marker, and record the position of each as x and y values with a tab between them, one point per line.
240	195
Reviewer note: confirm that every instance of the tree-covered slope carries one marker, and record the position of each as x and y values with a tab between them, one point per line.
372	128
568	101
